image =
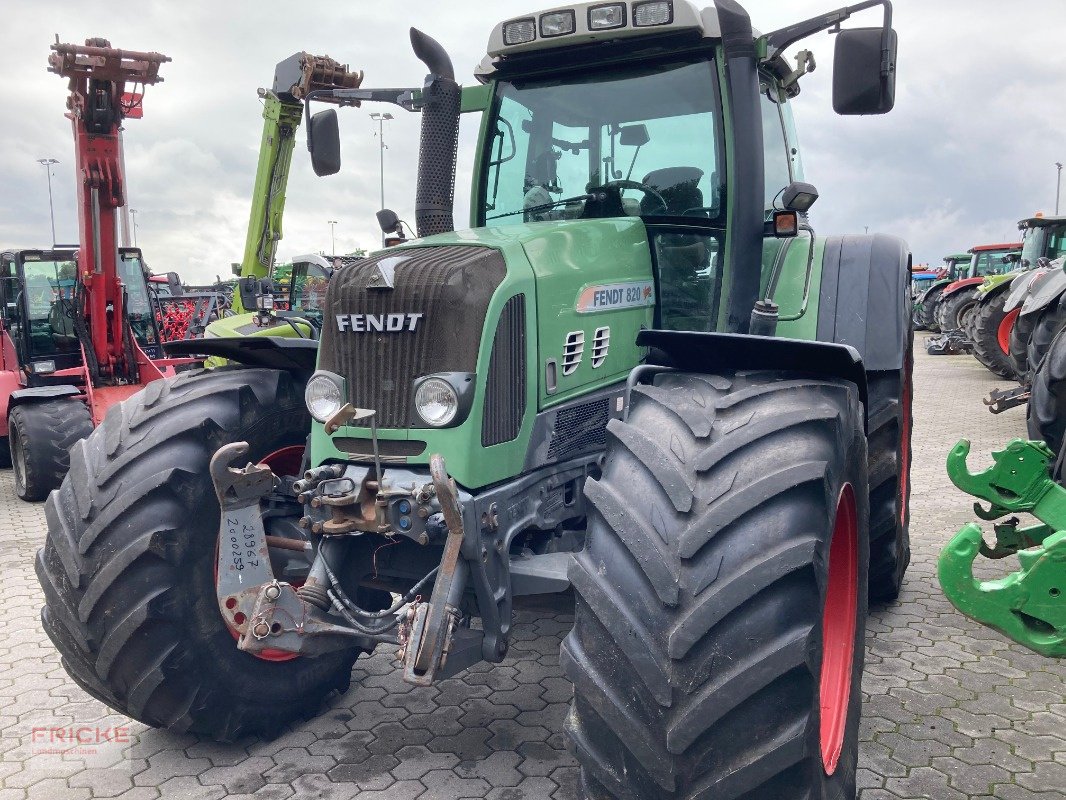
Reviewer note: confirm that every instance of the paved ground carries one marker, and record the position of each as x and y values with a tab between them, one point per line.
952	710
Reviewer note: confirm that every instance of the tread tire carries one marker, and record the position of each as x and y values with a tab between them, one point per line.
40	437
951	311
129	560
889	445
1019	346
1048	324
696	649
925	312
984	327
1045	417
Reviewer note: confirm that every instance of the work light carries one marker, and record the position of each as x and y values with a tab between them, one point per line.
520	31
605	17
557	23
656	12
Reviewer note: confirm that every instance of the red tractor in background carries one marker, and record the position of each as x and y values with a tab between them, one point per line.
79	329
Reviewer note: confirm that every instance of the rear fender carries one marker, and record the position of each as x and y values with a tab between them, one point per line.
936	288
958	286
1046	292
271	352
1021	286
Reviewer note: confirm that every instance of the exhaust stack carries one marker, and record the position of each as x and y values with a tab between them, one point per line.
439	142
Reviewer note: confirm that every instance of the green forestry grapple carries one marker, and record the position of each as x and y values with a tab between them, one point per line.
639	374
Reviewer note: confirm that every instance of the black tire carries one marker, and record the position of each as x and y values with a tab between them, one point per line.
1019	346
1048	324
1045	417
128	565
985	323
697	645
889	446
925	313
951	311
5	452
40	437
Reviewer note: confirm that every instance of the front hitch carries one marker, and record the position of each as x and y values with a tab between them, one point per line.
1028	605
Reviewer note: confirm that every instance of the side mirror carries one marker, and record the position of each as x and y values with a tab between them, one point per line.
864	71
246	288
174	282
634	135
235	268
324	142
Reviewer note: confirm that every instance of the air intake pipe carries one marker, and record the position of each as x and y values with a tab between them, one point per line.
439	142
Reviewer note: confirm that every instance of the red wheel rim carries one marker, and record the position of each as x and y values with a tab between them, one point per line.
1006	325
285	461
838	629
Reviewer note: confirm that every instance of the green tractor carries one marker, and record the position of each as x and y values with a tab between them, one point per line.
639	374
955	268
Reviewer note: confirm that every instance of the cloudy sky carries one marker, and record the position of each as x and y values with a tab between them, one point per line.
969	150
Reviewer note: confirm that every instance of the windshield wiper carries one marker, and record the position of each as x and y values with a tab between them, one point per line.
547	206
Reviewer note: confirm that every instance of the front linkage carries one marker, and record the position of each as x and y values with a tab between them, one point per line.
1028	605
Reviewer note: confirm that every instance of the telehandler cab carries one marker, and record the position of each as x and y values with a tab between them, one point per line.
639	374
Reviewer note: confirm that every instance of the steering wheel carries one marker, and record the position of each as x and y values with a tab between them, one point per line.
642	187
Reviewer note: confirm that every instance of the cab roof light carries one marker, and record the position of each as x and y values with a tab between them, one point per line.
607	16
654	12
520	31
557	23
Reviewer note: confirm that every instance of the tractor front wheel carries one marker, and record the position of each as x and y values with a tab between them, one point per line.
1046	414
721	597
991	327
128	566
925	311
952	312
40	436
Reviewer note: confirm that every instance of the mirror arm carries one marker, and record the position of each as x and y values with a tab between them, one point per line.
407	99
780	39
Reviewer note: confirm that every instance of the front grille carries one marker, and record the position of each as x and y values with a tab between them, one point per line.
505	388
449	285
580	429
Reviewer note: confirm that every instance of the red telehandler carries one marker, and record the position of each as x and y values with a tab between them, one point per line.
78	333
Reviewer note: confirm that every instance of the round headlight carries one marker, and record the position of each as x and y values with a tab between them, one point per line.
436	402
323	397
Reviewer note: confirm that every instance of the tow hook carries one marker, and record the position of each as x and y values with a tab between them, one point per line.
265	612
1029	605
427	633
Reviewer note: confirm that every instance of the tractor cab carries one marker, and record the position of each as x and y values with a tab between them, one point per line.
993	259
37	292
1042	238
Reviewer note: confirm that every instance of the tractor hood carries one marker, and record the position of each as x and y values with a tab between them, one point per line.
1048	290
1021	286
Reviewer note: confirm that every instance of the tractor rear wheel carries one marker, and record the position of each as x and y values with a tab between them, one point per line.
721	601
952	312
991	327
40	436
889	446
925	311
1046	415
128	566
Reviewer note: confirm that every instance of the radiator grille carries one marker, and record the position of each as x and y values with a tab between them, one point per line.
579	429
450	286
505	389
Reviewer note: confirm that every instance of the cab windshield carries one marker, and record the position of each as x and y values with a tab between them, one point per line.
991	262
642	141
1033	244
48	290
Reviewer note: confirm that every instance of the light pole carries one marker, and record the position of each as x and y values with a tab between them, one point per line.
381	119
332	241
47	164
133	213
1058	186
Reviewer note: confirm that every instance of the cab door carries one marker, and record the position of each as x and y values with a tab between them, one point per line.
9	327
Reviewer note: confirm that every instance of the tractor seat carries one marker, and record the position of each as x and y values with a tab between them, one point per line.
679	187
